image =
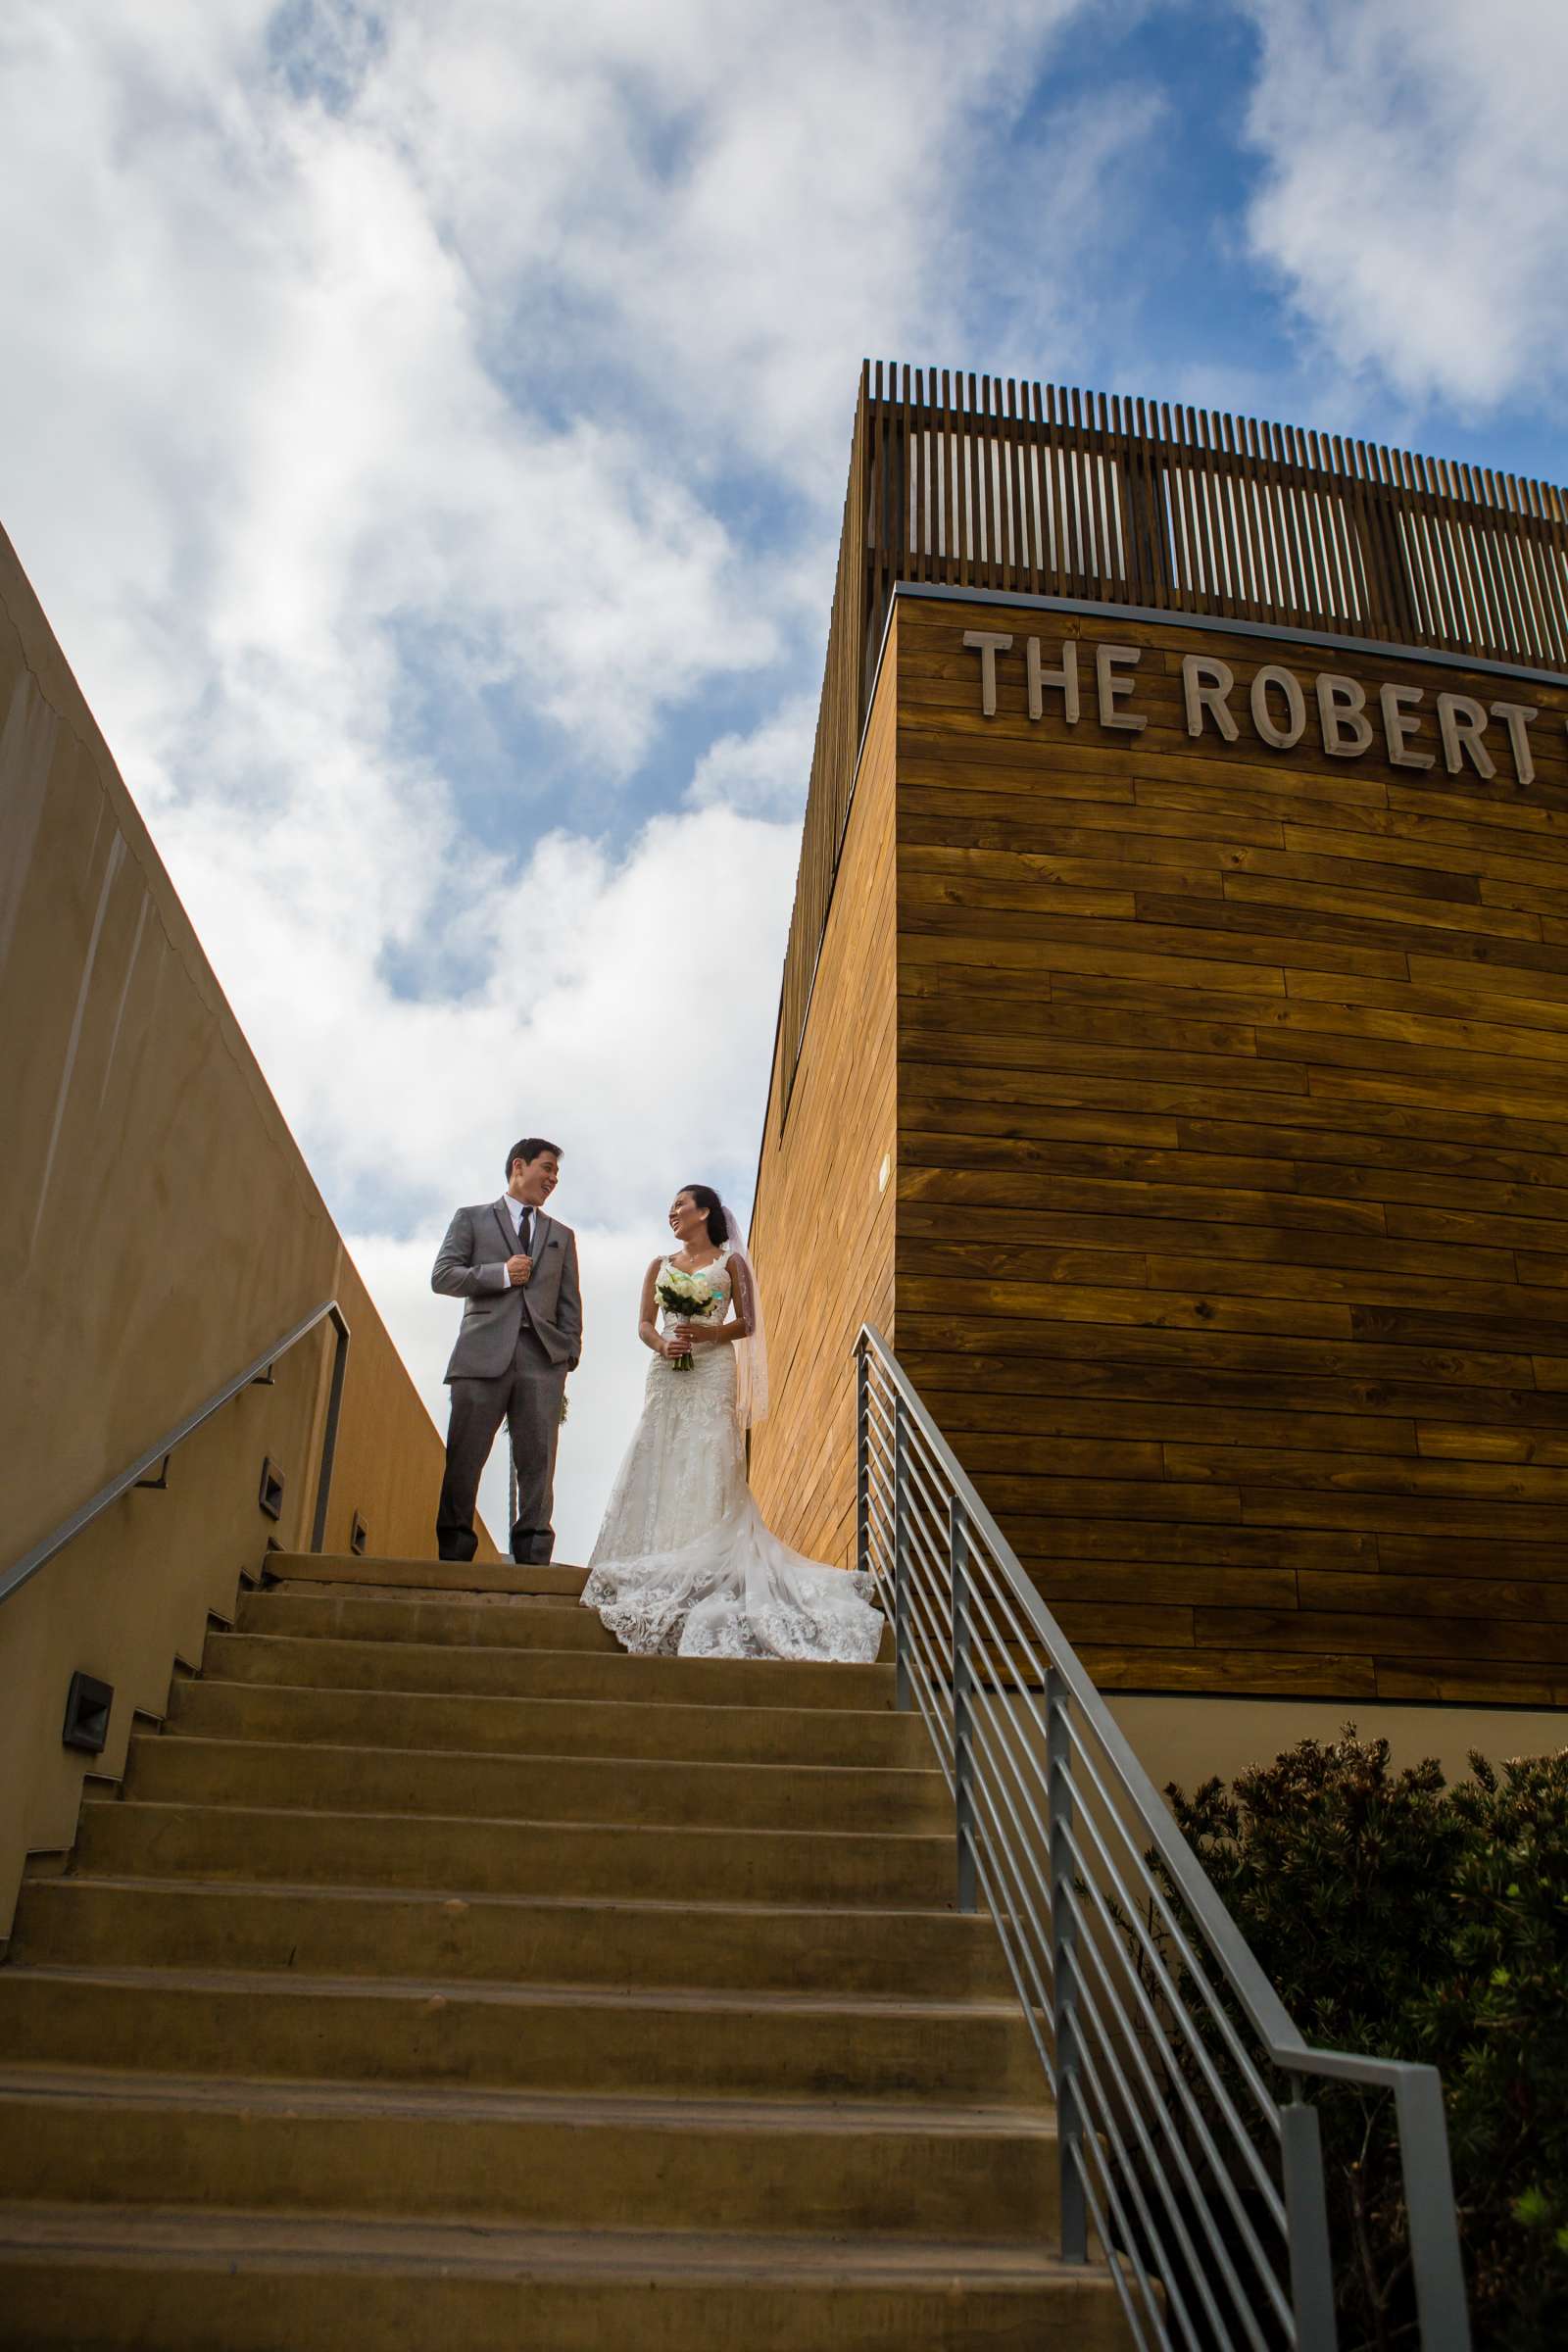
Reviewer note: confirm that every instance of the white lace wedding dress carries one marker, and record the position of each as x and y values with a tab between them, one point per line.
684	1565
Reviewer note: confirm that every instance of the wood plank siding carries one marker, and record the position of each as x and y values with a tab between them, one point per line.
1231	1237
1224	1085
822	1223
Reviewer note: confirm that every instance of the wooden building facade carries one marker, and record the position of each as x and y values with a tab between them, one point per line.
1174	1037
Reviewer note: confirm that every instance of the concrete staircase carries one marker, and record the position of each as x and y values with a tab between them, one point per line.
444	1978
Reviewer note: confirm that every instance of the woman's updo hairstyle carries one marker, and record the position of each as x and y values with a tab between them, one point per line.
713	1208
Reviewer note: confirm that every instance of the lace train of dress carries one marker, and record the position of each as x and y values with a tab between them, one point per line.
685	1566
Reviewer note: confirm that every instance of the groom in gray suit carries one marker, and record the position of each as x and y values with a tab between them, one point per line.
515	1271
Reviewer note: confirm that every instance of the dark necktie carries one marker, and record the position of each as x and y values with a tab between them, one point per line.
525	1234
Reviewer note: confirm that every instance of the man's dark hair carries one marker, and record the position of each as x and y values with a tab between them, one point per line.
529	1147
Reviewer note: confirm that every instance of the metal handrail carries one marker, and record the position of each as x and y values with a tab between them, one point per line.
17	1575
1130	1997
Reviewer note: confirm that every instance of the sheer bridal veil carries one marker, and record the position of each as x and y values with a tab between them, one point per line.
751	1353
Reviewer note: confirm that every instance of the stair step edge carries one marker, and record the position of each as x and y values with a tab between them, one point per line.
193	2239
443	1898
501	1994
113	1801
529	1698
835	1666
96	2089
197	1741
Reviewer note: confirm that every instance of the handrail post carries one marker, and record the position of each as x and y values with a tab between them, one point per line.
1428	2174
862	1450
1306	2213
335	1410
1080	1748
962	1701
1064	1982
903	1688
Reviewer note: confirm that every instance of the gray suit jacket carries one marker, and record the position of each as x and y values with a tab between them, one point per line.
470	1265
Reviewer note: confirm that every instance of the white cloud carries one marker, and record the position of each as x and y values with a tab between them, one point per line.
636	1034
742	201
464	358
765	772
1416	192
304	445
620	1006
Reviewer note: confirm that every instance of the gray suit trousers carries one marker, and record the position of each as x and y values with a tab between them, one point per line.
527	1397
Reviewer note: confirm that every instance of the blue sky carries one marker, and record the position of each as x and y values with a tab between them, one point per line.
426	426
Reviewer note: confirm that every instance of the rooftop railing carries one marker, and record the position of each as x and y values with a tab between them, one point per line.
982	485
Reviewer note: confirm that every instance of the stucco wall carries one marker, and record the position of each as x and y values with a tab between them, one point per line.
158	1230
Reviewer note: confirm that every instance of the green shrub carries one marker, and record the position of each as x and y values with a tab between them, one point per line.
1494	2019
1407	1919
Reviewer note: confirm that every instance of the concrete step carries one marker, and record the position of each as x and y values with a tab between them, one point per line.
472	1972
142	2278
526	2038
179	1769
328	1664
126	1839
874	1738
544	1940
527	2159
424	1576
500	1620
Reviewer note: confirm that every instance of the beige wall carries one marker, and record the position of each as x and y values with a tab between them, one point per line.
157	1229
822	1224
1190	1740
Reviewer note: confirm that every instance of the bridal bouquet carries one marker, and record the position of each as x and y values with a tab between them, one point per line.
685	1300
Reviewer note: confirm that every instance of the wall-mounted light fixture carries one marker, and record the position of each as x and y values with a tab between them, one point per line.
88	1705
270	1496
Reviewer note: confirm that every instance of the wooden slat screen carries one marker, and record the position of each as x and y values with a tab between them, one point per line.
974	482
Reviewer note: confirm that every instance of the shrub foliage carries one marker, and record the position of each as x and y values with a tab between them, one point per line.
1405	1919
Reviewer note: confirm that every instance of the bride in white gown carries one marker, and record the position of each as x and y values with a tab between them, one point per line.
683	1564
